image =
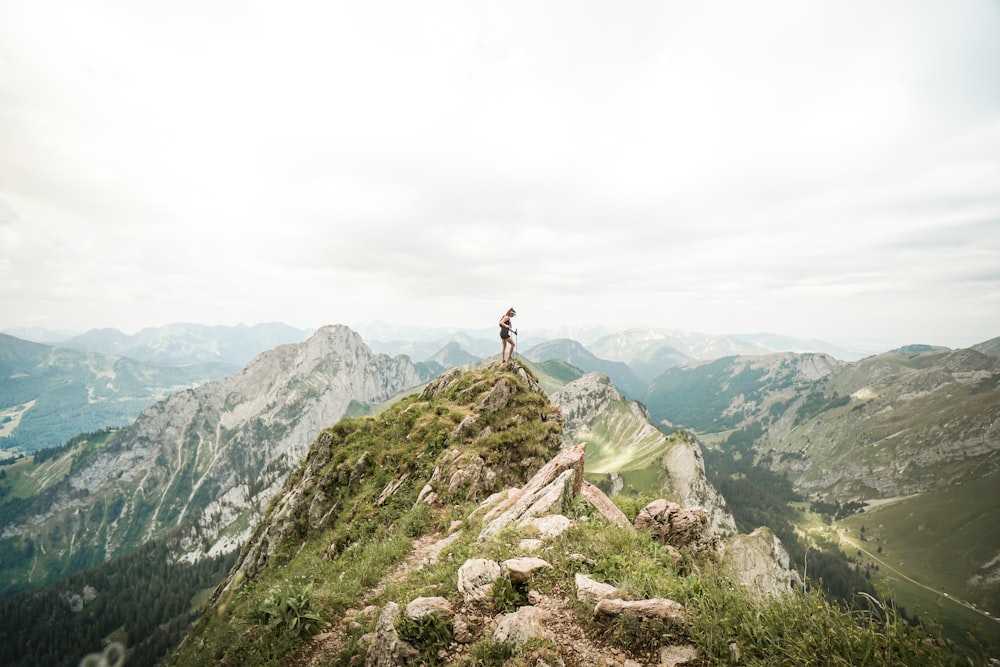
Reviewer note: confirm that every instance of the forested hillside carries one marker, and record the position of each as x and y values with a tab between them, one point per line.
146	600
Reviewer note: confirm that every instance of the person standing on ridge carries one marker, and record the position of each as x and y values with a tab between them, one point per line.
505	331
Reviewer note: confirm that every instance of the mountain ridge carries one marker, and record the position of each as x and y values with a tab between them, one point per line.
49	394
205	457
186	343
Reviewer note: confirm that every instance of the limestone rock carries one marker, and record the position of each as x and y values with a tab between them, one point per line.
672	524
673	656
387	649
529	546
439	385
390	489
523	625
473	476
466	428
427	495
761	562
652	608
420	607
522	569
590	591
433	553
498	397
476	577
492	502
557	481
600	501
549	526
566	459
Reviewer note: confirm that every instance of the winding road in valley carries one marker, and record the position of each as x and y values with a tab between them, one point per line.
848	540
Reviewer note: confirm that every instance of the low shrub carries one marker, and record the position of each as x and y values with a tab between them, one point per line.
288	609
429	634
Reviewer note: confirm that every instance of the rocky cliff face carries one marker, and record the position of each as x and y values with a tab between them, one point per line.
621	438
893	424
209	459
889	425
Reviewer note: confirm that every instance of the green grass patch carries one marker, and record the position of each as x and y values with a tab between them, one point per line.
939	541
942	538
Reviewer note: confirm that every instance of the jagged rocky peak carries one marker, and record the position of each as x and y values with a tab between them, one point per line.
449	381
207	459
584	397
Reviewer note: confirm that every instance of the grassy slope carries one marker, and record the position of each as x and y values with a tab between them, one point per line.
938	539
621	442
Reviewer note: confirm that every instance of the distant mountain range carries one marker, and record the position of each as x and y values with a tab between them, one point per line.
70	403
104	377
901	422
184	343
905	426
577	355
50	394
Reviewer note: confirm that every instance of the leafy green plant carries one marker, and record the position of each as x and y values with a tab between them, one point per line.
507	596
429	634
289	609
491	654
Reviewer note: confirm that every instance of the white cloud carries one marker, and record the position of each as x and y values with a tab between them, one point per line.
825	169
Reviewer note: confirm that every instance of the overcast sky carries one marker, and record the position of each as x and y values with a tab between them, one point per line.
824	170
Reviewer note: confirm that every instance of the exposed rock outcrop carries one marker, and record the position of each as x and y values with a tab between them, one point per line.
677	526
558	480
523	625
761	562
420	607
653	608
476	577
387	649
590	591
